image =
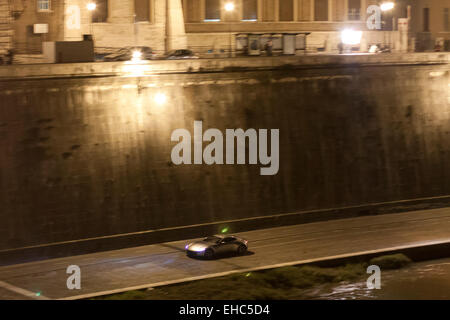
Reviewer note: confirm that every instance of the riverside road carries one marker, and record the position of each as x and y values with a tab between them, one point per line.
153	265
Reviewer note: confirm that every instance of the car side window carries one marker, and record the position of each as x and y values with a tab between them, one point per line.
229	239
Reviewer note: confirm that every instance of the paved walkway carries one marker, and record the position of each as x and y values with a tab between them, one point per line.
147	266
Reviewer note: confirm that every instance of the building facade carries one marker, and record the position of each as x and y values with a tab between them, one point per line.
113	23
430	23
35	22
206	26
208	23
6	31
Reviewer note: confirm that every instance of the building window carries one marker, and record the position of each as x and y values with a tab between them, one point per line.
250	10
43	5
286	10
212	10
192	11
446	19
354	10
100	14
321	10
426	19
142	10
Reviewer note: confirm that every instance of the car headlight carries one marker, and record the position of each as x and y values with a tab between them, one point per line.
197	249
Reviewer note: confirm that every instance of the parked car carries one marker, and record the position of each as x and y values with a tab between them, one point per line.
216	245
130	53
180	54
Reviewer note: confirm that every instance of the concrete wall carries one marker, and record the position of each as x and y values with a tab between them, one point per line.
91	157
156	67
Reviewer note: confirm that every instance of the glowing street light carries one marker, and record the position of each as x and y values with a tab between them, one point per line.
351	37
136	56
91	6
160	98
386	6
229	6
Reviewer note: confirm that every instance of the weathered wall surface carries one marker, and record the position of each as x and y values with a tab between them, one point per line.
26	15
91	157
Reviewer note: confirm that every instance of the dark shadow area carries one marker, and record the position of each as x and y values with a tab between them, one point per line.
221	256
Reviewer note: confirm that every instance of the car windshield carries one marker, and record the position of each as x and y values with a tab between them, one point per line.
212	239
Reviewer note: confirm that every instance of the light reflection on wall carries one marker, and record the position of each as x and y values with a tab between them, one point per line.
160	99
135	69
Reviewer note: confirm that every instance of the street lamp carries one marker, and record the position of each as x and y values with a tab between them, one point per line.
229	7
388	6
351	37
91	6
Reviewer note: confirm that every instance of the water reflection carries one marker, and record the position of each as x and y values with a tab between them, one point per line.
425	280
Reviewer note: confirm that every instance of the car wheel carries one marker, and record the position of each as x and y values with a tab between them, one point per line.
209	254
242	249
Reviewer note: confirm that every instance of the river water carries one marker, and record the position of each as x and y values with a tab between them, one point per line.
424	280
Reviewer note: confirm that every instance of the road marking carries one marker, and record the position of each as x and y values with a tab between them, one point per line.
22	292
278	265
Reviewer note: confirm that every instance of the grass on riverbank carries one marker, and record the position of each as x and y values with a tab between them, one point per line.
280	283
389	262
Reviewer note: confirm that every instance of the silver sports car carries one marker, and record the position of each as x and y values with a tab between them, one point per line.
216	245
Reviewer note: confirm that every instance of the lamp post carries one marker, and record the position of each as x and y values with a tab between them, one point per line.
229	7
91	6
388	6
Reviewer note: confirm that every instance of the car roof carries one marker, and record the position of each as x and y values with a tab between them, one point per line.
223	236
